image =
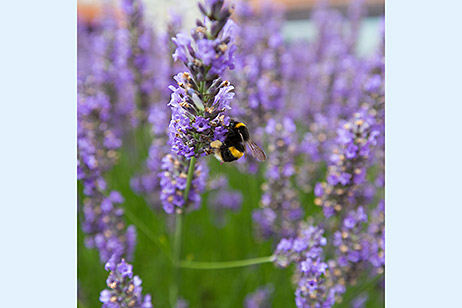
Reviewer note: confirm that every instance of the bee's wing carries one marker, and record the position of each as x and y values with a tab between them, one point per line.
243	142
256	151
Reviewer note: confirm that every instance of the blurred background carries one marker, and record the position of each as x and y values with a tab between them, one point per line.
297	12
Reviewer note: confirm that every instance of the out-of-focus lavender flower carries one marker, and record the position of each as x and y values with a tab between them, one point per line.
355	13
124	289
227	199
182	303
307	243
173	183
105	227
122	84
199	101
357	246
258	75
348	240
374	97
314	278
280	209
259	61
222	199
348	164
375	237
96	142
260	298
143	59
106	66
97	152
147	183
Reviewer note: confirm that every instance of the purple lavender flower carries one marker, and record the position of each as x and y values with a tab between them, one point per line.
148	182
105	228
97	144
260	298
314	277
348	240
313	286
280	209
227	199
124	289
375	237
258	74
143	49
199	101
348	164
307	243
173	183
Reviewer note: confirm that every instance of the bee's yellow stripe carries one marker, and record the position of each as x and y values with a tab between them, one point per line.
239	125
235	152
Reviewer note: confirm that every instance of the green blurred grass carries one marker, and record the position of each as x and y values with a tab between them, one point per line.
202	241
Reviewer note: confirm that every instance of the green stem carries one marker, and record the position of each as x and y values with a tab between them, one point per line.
174	290
225	264
192	163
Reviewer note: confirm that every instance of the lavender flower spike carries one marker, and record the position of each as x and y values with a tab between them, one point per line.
199	101
173	183
315	284
124	289
348	165
280	209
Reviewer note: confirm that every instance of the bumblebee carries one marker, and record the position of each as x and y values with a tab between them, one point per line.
234	146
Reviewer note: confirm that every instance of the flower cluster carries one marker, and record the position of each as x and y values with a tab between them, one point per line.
124	289
348	165
315	286
96	141
376	237
173	178
107	66
279	205
357	246
105	228
141	43
201	97
348	240
307	243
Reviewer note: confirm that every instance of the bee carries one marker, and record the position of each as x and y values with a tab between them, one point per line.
234	146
